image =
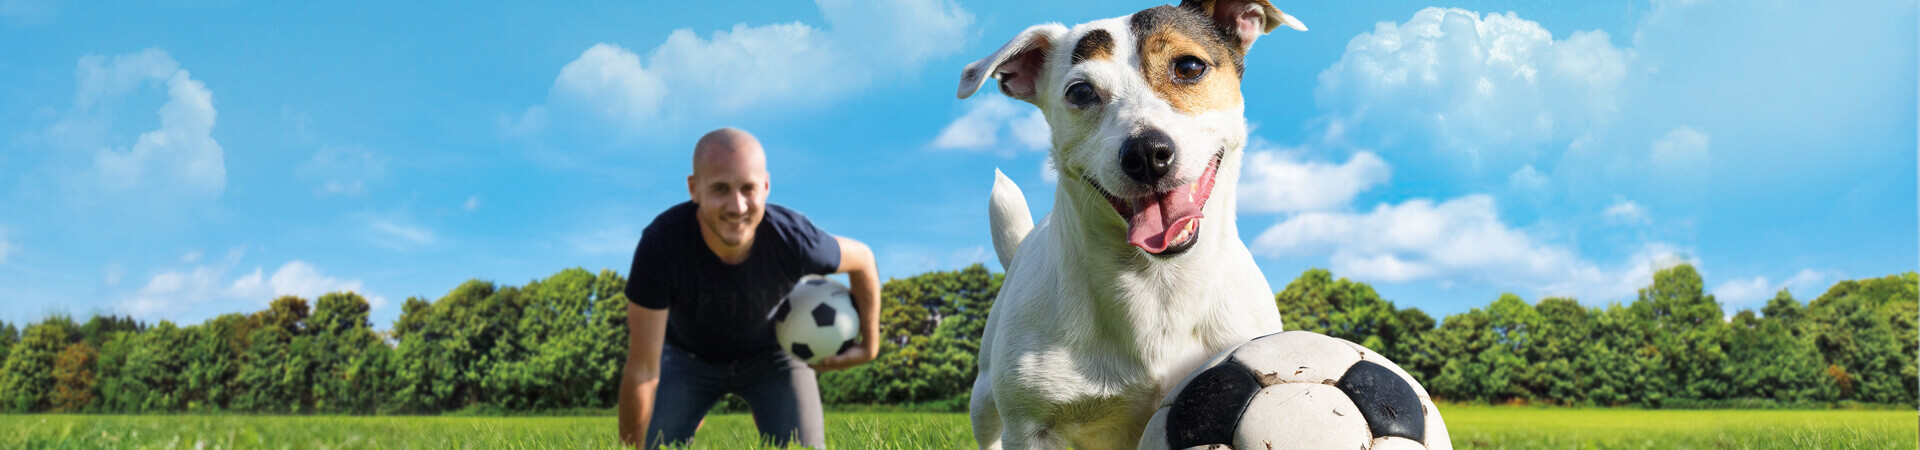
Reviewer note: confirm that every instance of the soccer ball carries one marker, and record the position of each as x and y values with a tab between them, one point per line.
1297	389
816	320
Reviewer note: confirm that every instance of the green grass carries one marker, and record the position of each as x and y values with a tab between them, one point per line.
1504	427
1472	427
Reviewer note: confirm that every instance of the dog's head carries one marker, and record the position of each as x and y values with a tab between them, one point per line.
1145	109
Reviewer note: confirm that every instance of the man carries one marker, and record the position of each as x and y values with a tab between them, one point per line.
706	277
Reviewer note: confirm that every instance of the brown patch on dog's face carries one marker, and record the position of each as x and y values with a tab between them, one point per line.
1185	61
1097	44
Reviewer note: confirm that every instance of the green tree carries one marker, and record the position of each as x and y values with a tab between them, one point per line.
1617	360
444	346
1865	330
415	376
340	337
8	336
100	328
1353	311
27	378
1560	333
1480	361
73	380
1688	333
1773	357
211	355
557	354
932	324
142	371
277	372
610	342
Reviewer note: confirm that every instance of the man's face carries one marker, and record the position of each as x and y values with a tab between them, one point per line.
731	189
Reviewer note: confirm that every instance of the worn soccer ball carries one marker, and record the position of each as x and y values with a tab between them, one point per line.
1297	389
816	320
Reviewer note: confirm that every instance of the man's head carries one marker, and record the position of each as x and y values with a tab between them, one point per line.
729	183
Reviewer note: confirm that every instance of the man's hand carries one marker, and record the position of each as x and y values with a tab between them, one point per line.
856	260
854	356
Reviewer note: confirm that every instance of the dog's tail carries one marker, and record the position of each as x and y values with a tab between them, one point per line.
1007	211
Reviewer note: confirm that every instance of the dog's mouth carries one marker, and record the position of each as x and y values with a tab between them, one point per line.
1165	223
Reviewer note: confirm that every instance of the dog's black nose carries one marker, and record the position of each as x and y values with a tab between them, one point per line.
1148	156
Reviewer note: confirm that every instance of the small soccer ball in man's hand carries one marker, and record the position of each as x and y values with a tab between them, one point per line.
1297	389
817	320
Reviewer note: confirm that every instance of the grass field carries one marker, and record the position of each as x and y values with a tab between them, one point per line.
1472	427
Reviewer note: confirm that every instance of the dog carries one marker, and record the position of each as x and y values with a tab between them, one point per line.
1138	274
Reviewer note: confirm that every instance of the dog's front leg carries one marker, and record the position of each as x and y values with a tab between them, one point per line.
985	414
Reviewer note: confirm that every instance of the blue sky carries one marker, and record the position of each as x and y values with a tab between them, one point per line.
177	160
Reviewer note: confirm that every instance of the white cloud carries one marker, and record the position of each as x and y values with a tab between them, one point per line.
178	164
399	235
191	257
1487	91
1047	172
1527	178
998	124
343	170
748	68
473	203
1681	151
174	292
1462	239
1811	283
300	279
1753	293
1626	211
1743	293
1274	181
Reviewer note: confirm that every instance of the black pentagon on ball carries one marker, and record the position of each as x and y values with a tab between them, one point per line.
1208	411
823	315
780	313
816	281
801	350
844	346
1385	400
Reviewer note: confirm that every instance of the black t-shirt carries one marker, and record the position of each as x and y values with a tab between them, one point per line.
718	311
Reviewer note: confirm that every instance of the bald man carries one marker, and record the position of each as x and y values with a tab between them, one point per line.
706	277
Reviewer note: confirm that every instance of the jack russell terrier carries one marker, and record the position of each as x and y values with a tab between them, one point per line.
1138	274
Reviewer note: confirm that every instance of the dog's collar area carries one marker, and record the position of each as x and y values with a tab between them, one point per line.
1167	222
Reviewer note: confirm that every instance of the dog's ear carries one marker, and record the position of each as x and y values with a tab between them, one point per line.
1016	64
1244	19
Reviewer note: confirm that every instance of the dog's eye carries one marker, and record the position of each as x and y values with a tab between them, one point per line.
1080	94
1189	69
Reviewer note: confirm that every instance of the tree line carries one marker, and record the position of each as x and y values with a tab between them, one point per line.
560	343
1672	346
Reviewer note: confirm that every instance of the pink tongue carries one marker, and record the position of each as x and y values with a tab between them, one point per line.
1156	222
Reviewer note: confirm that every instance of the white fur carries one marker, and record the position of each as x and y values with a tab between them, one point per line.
1011	220
1089	332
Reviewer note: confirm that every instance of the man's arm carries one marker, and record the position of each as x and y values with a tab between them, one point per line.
646	329
856	260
